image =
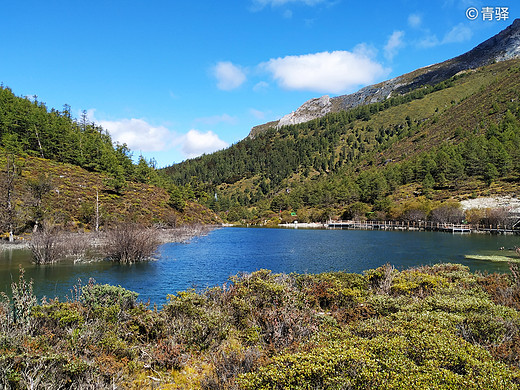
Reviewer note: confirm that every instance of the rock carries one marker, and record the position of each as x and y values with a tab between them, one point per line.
312	109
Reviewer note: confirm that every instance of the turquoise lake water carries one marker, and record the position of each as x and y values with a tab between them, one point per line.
210	260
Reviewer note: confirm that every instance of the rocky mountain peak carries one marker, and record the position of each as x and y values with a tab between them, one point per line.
503	46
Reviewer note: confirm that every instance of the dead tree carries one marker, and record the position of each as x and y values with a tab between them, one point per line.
8	189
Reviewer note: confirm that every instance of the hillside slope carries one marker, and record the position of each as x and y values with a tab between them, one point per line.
67	195
56	169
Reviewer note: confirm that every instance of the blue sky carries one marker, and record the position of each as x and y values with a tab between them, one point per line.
174	79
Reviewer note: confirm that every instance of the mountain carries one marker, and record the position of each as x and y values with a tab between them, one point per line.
503	46
403	156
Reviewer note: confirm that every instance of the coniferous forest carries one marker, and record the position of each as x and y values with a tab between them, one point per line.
28	126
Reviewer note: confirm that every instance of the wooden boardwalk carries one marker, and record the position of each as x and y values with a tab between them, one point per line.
424	226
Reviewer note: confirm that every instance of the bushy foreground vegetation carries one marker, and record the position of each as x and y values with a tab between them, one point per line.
429	327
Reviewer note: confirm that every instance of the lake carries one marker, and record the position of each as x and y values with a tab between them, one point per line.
209	260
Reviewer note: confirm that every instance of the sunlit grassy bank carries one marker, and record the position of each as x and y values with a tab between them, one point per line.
430	327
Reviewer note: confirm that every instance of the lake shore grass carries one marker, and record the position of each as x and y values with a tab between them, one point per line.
497	258
437	326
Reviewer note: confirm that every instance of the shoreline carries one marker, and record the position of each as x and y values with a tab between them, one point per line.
422	226
182	234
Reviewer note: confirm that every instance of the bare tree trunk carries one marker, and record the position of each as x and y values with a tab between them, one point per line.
39	143
97	211
10	175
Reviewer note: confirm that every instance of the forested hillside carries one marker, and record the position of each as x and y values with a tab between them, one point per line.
455	139
57	169
28	126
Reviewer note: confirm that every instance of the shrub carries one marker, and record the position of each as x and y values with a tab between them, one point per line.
46	246
58	315
333	290
23	299
416	282
274	304
381	278
196	320
168	354
105	295
77	245
129	243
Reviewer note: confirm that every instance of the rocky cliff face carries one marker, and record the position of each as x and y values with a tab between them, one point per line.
312	109
503	46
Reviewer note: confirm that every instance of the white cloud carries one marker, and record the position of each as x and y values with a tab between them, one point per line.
213	120
395	42
414	20
228	76
195	143
138	134
459	33
429	41
362	49
141	136
326	72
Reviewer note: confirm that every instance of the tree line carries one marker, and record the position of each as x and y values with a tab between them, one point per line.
277	153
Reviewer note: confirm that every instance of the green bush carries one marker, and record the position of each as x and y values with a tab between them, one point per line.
59	314
413	282
195	320
104	295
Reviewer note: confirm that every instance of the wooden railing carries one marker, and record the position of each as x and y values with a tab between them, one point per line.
421	225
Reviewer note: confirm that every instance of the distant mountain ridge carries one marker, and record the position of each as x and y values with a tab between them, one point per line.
503	46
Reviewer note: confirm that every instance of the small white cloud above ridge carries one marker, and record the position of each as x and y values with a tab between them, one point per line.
228	75
257	113
395	42
459	33
326	72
